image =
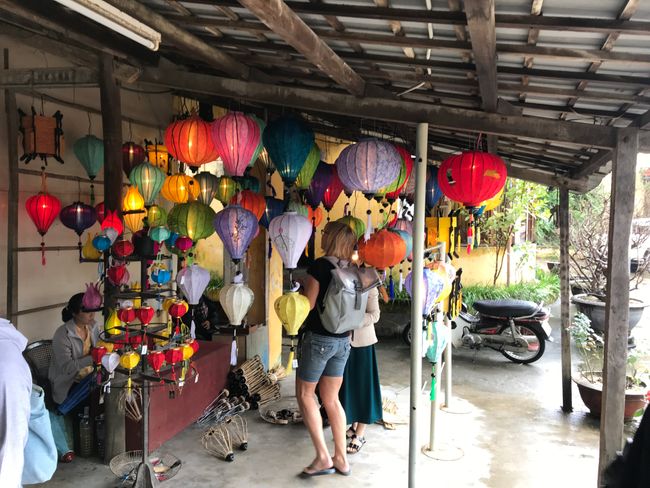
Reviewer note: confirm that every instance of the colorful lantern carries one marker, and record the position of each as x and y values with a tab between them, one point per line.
192	219
260	145
404	176
288	141
236	300
308	168
133	209
145	314
180	188
156	360
292	309
383	250
290	233
408	240
88	251
183	243
472	177
101	212
92	299
192	281
90	153
433	286
112	221
160	275
148	179
129	361
159	234
274	207
236	138
236	227
333	190
78	217
132	155
112	324
433	191
321	180
43	209
208	184
172	357
158	155
126	314
101	242
251	201
190	141
368	165
123	249
118	275
226	189
357	225
156	216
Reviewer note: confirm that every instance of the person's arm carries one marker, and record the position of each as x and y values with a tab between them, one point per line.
373	312
310	289
62	350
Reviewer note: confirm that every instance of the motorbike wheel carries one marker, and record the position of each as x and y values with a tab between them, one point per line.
533	354
406	334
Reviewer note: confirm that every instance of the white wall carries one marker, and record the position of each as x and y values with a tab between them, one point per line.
63	275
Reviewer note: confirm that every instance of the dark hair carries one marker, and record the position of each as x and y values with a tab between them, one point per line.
73	307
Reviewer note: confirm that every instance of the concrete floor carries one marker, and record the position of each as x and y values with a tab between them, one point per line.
516	436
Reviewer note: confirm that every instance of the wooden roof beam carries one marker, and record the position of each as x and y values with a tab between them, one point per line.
286	23
599	160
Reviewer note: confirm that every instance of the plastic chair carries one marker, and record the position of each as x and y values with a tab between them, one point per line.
38	356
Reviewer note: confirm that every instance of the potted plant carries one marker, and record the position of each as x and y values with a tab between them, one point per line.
588	260
590	347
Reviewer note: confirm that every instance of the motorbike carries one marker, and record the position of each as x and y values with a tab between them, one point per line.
518	329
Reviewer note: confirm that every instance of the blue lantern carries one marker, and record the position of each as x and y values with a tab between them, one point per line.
90	153
433	192
171	240
274	207
288	141
101	242
161	276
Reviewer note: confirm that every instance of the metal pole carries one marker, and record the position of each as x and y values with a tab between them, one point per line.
435	406
565	314
447	353
416	304
11	110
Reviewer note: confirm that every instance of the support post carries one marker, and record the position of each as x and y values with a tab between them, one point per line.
618	296
11	111
565	319
416	303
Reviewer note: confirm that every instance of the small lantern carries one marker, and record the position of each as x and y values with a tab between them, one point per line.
90	153
290	233
192	281
433	191
433	286
236	300
148	179
43	209
132	200
208	184
226	188
193	219
357	225
190	141
156	216
78	217
180	188
383	250
157	155
292	309
236	227
236	139
321	180
132	155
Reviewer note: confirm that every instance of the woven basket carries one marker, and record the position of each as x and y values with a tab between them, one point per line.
125	465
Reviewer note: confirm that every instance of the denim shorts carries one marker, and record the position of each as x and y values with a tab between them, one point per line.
322	356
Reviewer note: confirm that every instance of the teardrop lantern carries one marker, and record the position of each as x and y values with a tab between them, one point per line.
133	210
78	217
192	281
333	190
383	250
288	141
321	180
148	179
290	234
43	208
208	184
251	201
132	155
90	153
236	227
236	300
180	188
190	141
308	168
193	219
236	138
433	285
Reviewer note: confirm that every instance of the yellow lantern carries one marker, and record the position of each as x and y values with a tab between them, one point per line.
158	156
164	333
180	188
112	323
109	346
188	352
129	360
167	303
292	309
493	202
135	287
132	200
441	271
88	251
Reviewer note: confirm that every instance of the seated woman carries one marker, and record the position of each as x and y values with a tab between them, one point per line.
71	362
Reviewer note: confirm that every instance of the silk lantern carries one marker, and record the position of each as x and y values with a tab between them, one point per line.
208	184
92	299
190	141
112	325
158	155
290	233
251	201
433	285
192	281
368	165
180	188
321	180
308	168
88	251
333	190
288	141
408	240
226	189
156	216
90	153
274	207
383	250
357	225
132	155
433	191
133	210
248	182
472	177
260	146
148	179
193	219
159	234
292	309
112	221
78	217
123	249
236	139
43	208
236	300
236	227
393	194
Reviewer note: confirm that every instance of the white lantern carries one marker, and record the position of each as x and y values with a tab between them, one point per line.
236	300
290	234
193	280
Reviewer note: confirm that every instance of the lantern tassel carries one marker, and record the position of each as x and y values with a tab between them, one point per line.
289	367
270	248
477	238
233	350
43	261
391	287
193	329
432	395
369	228
470	233
400	283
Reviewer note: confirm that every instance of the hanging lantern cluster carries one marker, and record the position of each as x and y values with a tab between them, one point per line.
190	141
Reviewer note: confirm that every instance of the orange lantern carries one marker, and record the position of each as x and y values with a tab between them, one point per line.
158	155
251	201
315	216
179	187
383	250
190	141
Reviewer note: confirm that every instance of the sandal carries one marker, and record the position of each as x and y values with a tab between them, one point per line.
355	444
350	433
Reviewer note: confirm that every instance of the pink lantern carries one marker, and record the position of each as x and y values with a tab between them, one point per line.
92	299
183	243
236	138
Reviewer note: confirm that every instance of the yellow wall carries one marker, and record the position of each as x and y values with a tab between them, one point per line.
274	291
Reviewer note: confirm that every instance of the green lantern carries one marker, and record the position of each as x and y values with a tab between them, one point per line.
260	146
309	168
226	189
90	153
299	208
149	179
156	216
192	219
357	225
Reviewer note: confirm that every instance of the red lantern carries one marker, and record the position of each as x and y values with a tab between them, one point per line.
190	141
383	250
145	314
118	275
132	155
194	344
43	209
112	220
97	353
135	340
408	161
156	359
126	314
251	201
123	249
101	212
173	356
472	177
333	191
178	309
183	243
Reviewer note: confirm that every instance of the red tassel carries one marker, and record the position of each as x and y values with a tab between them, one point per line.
43	262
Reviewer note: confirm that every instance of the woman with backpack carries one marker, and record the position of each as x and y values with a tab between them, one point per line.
323	356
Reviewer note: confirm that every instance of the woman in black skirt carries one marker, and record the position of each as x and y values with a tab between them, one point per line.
361	392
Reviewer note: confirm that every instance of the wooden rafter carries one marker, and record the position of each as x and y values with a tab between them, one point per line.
533	35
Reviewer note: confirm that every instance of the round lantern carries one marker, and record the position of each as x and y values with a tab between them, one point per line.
472	177
193	219
226	189
236	227
236	139
208	184
433	285
158	155
290	233
383	250
274	207
78	217
251	201
156	216
43	209
132	155
90	153
292	309
433	191
192	281
148	179
308	168
321	180
180	188
159	234
190	141
408	240
288	141
236	300
333	190
123	249
368	165
357	225
394	191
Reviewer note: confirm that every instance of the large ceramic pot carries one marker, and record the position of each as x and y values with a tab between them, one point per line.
592	397
594	308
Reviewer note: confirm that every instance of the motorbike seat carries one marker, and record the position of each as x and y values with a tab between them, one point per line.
506	308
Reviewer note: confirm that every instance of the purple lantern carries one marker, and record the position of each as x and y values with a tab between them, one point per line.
78	217
274	207
319	184
369	165
236	227
433	286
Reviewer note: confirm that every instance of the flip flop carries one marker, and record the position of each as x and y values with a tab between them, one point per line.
343	473
322	472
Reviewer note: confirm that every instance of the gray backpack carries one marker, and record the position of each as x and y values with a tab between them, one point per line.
344	303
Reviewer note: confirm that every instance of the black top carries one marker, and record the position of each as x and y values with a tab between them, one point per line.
321	271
